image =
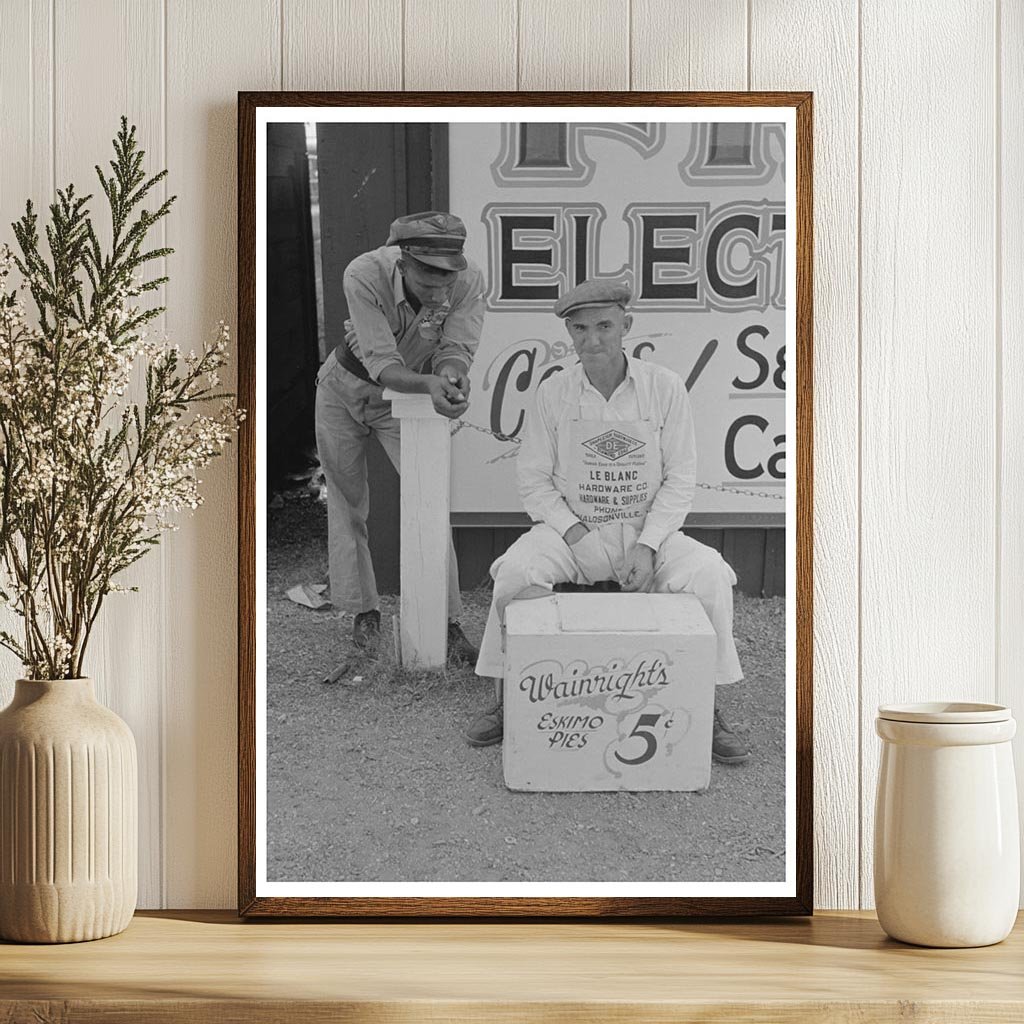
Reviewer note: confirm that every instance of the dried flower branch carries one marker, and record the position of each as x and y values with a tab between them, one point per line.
89	478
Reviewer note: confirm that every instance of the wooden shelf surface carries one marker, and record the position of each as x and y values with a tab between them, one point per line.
200	966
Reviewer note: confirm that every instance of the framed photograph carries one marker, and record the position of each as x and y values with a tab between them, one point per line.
525	492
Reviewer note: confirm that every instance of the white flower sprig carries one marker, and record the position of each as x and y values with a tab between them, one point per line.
88	477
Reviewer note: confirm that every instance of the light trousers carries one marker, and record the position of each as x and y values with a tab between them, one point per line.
541	558
348	411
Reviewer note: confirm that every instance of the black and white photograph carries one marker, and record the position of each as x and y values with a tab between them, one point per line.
525	595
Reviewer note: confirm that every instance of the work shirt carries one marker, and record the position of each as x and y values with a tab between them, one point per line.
542	465
386	328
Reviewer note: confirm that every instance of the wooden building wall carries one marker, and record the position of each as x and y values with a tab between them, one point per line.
757	554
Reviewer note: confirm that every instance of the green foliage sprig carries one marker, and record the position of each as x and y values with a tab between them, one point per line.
89	477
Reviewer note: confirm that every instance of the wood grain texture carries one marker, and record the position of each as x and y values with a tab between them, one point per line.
804	448
342	44
466	45
780	57
573	44
693	44
536	97
562	1012
207	967
26	69
928	514
1010	314
225	46
802	901
246	508
535	908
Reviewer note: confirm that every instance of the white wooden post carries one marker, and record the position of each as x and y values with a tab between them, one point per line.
425	499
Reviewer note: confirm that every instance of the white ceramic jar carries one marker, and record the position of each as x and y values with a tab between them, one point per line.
947	847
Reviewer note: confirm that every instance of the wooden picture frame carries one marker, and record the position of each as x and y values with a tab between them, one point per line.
798	899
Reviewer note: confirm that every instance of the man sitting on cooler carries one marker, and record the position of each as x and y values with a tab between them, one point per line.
607	471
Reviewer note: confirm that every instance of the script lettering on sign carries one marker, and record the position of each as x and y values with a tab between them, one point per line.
694	216
614	705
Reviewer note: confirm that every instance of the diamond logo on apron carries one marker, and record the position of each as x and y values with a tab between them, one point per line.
613	472
613	444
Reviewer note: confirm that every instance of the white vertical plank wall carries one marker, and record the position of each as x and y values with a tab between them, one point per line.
573	44
342	44
1009	277
128	667
225	46
698	45
928	513
919	317
26	163
466	45
781	59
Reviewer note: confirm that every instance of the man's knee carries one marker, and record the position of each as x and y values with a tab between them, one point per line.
713	573
532	560
517	568
696	566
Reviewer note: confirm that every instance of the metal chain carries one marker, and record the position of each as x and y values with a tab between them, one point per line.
458	425
728	489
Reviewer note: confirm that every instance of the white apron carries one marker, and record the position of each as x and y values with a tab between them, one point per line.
614	467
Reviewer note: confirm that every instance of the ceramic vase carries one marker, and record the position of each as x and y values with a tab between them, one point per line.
68	815
947	847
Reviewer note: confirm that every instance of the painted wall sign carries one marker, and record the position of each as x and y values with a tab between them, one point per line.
694	216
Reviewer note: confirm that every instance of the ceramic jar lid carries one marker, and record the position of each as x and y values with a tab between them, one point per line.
945	713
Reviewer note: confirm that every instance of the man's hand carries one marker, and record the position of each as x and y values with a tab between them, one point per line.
447	399
639	570
455	374
575	533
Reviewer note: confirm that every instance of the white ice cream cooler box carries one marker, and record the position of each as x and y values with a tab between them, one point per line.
608	692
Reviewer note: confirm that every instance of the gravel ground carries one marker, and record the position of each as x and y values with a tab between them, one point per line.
370	779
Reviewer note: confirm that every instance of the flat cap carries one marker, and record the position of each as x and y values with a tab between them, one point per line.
594	292
431	237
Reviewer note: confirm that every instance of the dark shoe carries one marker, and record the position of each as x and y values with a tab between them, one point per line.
726	746
487	729
460	650
366	630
